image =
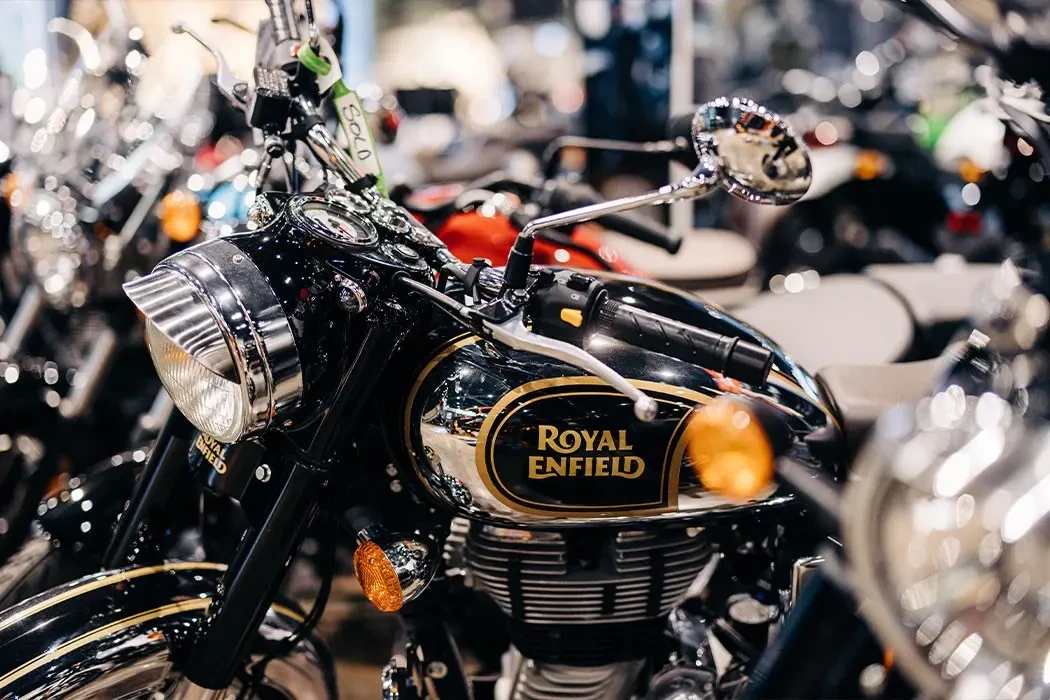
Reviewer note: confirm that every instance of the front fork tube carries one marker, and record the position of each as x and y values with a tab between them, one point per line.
153	490
432	656
251	582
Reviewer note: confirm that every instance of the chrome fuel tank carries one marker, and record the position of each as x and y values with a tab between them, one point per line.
517	439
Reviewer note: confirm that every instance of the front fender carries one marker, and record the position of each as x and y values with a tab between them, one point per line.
108	633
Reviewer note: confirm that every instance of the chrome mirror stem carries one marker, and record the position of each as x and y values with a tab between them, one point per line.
702	181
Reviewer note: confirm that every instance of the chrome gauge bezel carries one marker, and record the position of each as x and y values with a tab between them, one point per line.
348	200
392	217
299	207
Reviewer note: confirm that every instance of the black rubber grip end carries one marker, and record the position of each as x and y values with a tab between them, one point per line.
749	363
516	274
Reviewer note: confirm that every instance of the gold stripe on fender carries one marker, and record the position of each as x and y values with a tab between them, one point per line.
111	628
104	580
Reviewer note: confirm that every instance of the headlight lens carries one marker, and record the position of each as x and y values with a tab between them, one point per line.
219	340
215	405
947	538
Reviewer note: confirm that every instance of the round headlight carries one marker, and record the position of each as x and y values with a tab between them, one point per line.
947	538
219	340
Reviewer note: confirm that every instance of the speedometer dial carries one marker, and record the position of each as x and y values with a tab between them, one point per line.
336	225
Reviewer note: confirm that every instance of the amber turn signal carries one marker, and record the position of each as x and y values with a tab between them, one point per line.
870	165
180	216
729	449
377	577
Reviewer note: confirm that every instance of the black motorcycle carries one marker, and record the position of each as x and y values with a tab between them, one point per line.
547	407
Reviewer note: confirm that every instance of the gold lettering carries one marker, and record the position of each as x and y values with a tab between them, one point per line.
570	442
548	434
563	442
536	468
210	449
632	468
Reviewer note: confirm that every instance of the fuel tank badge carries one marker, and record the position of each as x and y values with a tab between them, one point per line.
572	446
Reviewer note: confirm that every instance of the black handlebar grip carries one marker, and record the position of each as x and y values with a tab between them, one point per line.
729	356
285	28
645	230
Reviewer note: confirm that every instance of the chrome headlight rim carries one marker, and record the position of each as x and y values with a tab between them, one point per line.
863	498
250	342
889	473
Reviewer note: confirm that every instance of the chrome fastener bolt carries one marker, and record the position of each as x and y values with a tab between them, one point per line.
437	669
351	296
262	473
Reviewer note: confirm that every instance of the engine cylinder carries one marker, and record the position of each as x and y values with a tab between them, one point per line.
585	598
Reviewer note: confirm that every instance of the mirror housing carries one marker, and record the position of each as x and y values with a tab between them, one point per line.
762	160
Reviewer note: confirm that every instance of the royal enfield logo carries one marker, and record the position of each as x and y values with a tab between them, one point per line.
211	449
573	447
584	453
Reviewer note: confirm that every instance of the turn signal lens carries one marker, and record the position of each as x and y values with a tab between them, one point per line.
378	578
729	450
180	216
870	165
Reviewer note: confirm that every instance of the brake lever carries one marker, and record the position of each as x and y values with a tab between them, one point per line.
514	334
511	332
232	87
79	35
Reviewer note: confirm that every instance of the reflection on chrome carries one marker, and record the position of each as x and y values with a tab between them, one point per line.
949	541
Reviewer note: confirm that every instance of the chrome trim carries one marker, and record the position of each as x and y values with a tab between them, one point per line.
215	304
90	375
761	158
412	561
801	570
30	306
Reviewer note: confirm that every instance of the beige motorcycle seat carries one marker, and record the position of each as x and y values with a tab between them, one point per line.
860	393
709	258
936	293
846	320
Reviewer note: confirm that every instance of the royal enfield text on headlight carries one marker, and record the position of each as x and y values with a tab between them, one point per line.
947	538
219	340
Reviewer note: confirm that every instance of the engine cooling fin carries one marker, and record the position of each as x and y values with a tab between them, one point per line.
585	598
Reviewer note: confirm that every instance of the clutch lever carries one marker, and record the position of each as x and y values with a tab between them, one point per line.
232	87
506	326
